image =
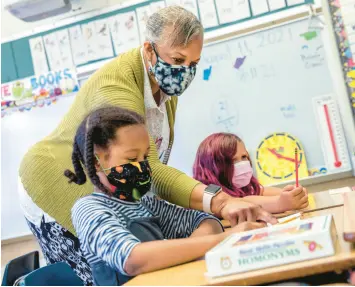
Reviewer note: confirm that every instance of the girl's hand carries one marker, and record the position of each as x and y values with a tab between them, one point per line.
293	198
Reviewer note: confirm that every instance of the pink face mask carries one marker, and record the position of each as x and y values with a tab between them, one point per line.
243	173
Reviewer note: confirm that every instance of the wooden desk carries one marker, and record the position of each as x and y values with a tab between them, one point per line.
193	273
317	201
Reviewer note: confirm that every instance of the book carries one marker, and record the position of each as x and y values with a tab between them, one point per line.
280	244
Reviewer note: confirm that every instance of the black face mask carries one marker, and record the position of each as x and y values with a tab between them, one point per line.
130	181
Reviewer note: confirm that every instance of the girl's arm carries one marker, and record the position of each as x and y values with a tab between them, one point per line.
155	255
269	203
271	191
207	227
290	198
179	222
102	234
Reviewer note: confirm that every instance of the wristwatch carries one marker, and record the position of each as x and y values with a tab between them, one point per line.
210	192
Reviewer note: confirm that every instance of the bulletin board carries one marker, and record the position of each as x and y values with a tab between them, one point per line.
342	14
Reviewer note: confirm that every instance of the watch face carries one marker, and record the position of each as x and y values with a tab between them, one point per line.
212	188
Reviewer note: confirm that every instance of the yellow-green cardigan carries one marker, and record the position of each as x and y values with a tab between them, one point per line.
118	83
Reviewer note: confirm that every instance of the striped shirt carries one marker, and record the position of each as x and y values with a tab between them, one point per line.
102	230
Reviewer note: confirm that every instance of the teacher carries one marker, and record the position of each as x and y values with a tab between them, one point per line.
147	80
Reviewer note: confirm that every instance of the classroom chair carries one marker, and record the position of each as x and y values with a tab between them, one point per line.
19	267
58	274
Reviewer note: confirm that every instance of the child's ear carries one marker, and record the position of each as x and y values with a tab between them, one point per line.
97	163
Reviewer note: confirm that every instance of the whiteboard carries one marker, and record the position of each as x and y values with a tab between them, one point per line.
253	86
19	131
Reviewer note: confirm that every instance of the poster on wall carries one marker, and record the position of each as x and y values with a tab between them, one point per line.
37	91
38	54
124	32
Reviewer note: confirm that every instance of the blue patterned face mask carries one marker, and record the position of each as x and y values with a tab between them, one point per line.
173	80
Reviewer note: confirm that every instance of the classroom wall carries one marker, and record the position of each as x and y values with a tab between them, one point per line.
10	25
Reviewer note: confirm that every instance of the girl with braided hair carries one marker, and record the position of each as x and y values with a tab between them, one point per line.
122	229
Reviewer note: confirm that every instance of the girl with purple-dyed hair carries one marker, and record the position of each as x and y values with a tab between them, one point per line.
222	159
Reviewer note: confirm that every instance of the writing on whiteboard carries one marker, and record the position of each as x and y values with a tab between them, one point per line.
288	111
274	36
214	58
312	57
225	114
264	71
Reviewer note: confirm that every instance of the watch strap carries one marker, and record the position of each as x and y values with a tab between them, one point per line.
207	202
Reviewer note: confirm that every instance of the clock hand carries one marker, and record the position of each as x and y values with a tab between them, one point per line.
274	152
280	156
287	158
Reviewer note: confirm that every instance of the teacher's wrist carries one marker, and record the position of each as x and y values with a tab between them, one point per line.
217	204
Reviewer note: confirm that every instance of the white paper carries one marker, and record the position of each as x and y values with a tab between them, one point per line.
191	6
143	14
39	59
155	6
259	7
350	29
241	9
339	190
124	32
351	39
91	41
65	49
276	4
173	2
52	50
225	10
344	2
294	2
348	13
103	39
233	10
208	13
78	45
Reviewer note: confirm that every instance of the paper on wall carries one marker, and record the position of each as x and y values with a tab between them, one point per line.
208	13
124	32
191	6
276	4
103	37
155	6
294	2
348	13
52	50
143	14
91	41
65	49
173	2
259	7
350	29
78	45
232	10
39	59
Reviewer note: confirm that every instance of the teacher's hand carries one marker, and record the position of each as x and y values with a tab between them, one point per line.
237	211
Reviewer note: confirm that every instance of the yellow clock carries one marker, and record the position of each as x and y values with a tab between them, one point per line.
275	159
